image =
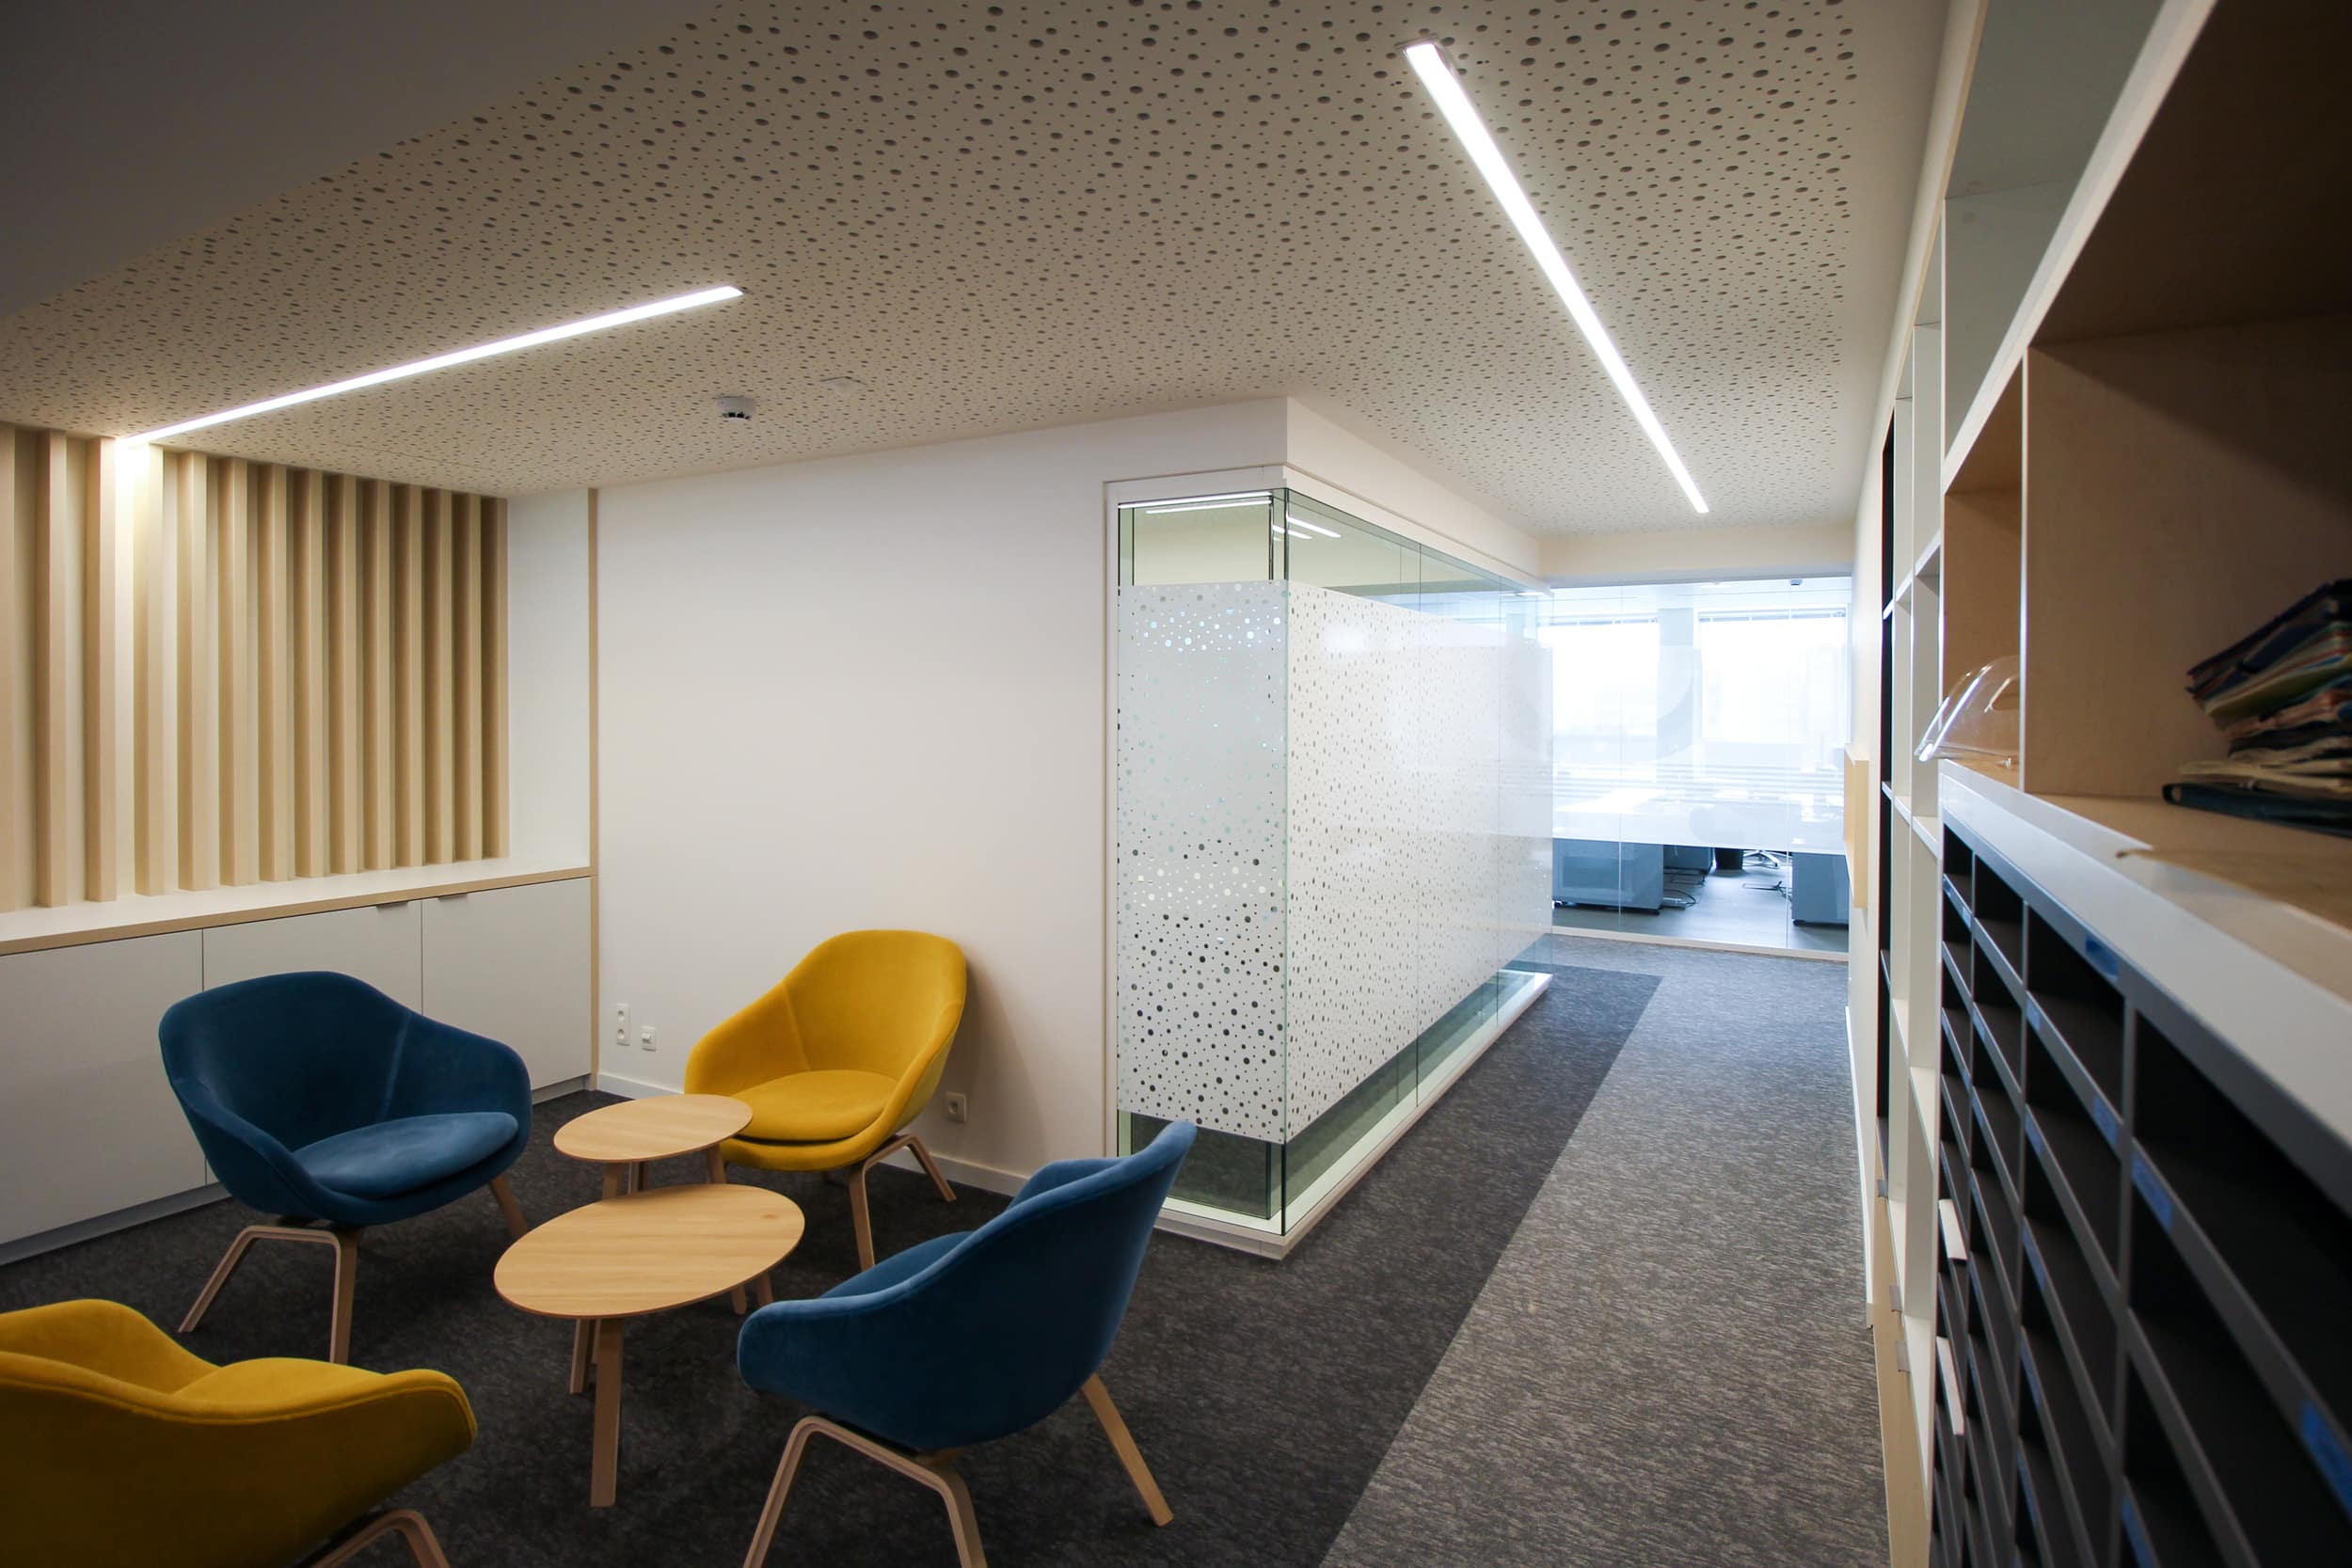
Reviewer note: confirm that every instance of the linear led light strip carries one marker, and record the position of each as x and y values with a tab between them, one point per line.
1460	114
462	357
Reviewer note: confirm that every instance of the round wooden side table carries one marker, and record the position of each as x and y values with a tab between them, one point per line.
638	1253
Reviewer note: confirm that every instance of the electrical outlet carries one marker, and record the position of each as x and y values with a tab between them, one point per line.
956	1107
620	1023
644	1036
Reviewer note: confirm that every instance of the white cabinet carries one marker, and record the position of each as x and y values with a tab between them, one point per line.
511	963
380	943
88	1124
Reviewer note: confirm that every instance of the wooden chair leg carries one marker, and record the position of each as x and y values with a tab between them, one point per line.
583	1340
1123	1443
765	1536
516	1224
946	1192
346	1246
406	1523
948	1481
347	1285
935	1470
859	1220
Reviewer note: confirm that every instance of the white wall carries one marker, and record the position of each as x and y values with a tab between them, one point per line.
869	691
1420	504
1698	554
547	676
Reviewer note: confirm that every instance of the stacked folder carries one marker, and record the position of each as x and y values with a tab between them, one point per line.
2282	695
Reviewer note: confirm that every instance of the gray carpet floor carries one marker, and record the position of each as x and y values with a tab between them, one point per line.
1669	1364
1265	1395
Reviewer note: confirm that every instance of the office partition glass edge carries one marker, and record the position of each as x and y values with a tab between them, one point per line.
1266	1172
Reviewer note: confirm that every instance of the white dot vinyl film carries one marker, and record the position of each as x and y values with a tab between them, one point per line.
954	219
1323	835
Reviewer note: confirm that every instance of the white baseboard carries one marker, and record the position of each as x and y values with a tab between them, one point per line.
629	1088
561	1088
102	1224
963	1173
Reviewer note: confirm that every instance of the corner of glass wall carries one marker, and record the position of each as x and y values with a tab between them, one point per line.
1309	708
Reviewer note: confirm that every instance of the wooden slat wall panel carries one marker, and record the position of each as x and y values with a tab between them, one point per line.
465	672
346	639
306	568
382	761
494	754
59	797
408	589
213	669
155	576
273	644
240	738
440	708
20	515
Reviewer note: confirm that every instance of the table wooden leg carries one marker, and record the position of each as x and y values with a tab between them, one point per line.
715	1169
604	1463
583	1342
615	1181
637	1177
765	1291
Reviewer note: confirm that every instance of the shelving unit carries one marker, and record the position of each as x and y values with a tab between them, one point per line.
2112	1039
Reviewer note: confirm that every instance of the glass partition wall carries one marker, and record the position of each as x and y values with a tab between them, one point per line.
1331	835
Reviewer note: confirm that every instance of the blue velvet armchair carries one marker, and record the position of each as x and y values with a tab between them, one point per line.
318	1098
971	1336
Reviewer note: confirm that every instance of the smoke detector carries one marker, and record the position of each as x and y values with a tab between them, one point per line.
733	410
841	386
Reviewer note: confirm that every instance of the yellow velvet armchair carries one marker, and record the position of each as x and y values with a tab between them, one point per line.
119	1447
839	1057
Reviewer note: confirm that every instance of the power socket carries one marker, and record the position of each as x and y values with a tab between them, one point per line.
620	1023
956	1107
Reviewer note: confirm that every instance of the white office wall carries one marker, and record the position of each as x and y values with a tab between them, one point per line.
870	691
1698	554
1400	495
547	676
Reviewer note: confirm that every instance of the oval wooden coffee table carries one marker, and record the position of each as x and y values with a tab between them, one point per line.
641	1253
623	1138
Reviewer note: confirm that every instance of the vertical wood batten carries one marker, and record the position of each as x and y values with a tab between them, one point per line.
346	642
408	666
274	714
465	664
156	575
111	642
440	711
240	741
198	678
306	568
495	838
382	763
59	691
18	517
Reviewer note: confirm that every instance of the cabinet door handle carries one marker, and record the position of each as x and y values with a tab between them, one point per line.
1948	1370
395	903
1955	1239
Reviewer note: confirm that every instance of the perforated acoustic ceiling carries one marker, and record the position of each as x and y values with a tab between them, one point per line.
1021	215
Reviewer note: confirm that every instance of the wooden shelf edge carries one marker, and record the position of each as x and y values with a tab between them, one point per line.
145	916
2271	979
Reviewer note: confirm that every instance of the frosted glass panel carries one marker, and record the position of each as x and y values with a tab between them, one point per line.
1320	864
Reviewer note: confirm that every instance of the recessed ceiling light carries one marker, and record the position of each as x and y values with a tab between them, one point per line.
1428	63
462	357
